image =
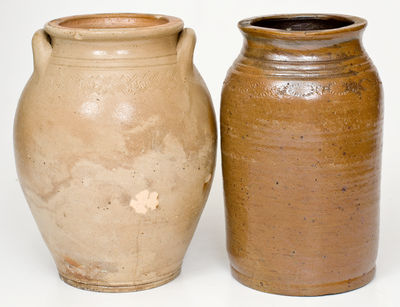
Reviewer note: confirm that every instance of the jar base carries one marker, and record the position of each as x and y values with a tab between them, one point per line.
122	288
304	290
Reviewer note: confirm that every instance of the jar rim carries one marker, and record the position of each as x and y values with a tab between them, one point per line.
302	26
113	26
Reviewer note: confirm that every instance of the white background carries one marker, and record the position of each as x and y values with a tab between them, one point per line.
28	276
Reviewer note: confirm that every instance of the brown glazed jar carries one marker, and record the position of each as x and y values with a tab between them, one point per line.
301	125
115	141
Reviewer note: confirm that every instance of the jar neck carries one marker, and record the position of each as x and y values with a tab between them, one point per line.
303	50
129	49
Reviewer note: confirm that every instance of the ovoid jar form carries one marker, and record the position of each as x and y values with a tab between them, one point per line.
301	126
115	141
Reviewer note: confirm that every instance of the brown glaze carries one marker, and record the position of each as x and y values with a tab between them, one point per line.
301	126
115	141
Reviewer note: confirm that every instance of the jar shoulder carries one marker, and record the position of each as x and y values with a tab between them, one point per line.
256	99
122	113
106	94
303	86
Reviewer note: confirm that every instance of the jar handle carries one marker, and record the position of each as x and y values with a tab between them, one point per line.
41	46
185	49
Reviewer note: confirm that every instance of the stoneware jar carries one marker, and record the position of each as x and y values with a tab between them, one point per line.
115	141
301	125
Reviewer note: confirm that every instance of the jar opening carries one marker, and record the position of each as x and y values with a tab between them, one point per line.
302	23
303	27
113	22
114	26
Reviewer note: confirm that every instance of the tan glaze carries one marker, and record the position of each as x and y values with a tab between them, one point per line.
115	141
301	125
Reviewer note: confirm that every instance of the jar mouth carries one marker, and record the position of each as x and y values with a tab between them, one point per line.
114	26
305	26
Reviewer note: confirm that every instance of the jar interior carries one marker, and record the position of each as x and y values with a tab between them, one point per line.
302	23
113	22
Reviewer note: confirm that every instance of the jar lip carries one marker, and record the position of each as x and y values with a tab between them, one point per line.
113	26
325	26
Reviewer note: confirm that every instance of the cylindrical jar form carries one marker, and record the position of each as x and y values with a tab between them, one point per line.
301	126
115	141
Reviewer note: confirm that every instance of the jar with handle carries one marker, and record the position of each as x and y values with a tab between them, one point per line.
115	141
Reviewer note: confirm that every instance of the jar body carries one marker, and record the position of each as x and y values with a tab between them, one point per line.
115	158
301	155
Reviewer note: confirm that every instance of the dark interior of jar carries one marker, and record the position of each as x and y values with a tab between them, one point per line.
302	23
107	22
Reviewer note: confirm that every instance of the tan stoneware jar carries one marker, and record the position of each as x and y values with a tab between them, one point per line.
301	125
115	141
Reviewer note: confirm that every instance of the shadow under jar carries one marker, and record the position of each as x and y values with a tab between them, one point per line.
301	133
